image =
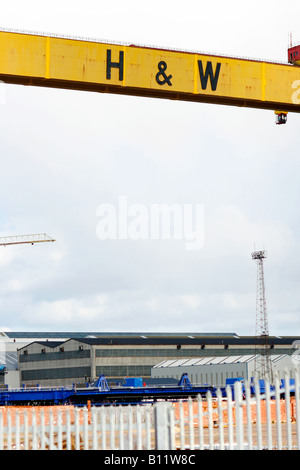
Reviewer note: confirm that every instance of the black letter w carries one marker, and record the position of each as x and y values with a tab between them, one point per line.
209	72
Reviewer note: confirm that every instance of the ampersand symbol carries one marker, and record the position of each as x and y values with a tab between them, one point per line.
166	79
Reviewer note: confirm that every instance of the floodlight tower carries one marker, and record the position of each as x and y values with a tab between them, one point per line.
263	365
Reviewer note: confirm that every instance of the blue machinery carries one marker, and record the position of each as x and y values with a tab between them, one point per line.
100	393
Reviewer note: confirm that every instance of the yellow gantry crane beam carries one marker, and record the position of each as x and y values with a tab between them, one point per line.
78	64
21	239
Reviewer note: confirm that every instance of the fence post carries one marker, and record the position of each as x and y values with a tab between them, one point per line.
163	432
297	400
287	396
239	415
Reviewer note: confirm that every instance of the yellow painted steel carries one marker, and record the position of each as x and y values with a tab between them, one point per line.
141	71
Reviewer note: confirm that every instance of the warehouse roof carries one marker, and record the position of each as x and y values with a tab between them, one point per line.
212	361
145	338
95	334
184	339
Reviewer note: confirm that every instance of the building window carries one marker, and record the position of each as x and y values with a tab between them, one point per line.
59	373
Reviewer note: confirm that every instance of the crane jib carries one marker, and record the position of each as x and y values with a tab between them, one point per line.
88	65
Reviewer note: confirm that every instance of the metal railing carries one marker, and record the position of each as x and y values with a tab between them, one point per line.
241	418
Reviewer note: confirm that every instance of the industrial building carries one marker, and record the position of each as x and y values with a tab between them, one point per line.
64	358
215	370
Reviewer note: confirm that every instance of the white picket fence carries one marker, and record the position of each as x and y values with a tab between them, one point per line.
246	422
104	427
250	422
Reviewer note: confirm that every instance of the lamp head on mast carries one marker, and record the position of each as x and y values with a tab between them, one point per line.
259	254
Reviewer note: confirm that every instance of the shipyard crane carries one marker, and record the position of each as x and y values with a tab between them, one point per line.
39	59
22	239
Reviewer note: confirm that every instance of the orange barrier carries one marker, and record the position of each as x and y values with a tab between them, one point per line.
52	411
48	411
253	411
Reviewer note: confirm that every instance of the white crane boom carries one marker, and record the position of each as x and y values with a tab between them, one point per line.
21	239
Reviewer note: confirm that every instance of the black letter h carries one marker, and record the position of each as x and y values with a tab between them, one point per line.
117	65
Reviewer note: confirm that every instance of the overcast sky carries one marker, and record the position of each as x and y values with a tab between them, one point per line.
65	153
